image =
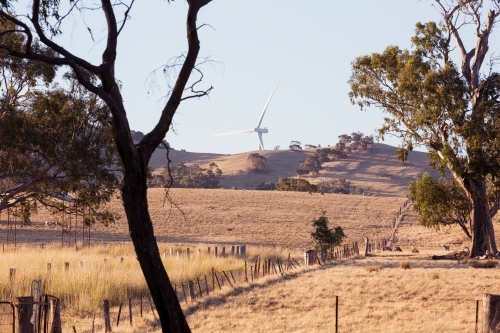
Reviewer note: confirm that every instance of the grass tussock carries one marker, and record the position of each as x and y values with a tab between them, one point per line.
414	250
435	276
483	263
373	268
404	264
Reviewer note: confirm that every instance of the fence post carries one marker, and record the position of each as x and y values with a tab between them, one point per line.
23	310
130	310
190	285
243	250
215	251
119	314
491	306
246	276
336	314
107	320
55	310
188	252
232	250
171	251
223	253
477	314
366	246
66	266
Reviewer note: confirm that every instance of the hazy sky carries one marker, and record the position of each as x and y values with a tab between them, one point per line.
311	42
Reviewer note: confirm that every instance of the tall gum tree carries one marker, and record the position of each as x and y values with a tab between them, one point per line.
452	110
43	22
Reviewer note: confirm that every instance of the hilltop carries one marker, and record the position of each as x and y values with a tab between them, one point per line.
376	170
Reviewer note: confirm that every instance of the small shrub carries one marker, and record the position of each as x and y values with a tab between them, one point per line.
414	250
404	265
373	268
435	276
483	264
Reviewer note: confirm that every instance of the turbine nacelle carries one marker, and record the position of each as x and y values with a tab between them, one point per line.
257	129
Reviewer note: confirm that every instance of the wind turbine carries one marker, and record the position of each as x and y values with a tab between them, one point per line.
257	129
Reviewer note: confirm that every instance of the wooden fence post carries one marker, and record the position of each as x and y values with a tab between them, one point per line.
223	252
130	310
66	266
171	252
246	276
336	314
366	246
491	307
232	250
107	319
119	314
477	315
215	251
190	285
55	310
23	309
188	252
243	250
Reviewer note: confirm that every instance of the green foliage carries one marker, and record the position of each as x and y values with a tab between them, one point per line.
295	146
191	177
295	184
326	238
440	203
329	154
337	186
312	165
257	163
266	186
52	141
452	110
402	154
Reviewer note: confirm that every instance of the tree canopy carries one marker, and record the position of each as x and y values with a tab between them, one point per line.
53	140
326	238
453	110
47	19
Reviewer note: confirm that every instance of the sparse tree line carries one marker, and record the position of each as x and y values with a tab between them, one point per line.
182	176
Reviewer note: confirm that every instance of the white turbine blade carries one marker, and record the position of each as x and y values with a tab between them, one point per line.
265	107
236	132
261	142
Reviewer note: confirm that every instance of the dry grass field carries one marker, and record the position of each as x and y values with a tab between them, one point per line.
271	218
405	292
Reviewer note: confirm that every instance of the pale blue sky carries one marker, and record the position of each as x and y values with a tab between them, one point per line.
311	42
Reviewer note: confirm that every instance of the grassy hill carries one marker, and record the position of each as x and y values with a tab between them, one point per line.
376	170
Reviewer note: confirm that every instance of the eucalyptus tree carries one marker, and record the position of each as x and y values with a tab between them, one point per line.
45	21
451	109
53	140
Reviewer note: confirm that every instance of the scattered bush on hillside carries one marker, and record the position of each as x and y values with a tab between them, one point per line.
329	154
257	163
192	177
277	147
326	238
403	152
356	140
295	184
266	186
309	146
295	145
312	165
339	186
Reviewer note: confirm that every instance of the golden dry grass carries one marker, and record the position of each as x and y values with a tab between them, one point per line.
279	219
104	272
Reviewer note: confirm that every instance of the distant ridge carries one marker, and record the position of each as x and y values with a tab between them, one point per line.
376	170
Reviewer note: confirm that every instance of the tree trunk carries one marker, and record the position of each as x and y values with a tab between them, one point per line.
134	195
483	234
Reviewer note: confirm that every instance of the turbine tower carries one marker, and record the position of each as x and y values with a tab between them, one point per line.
257	129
